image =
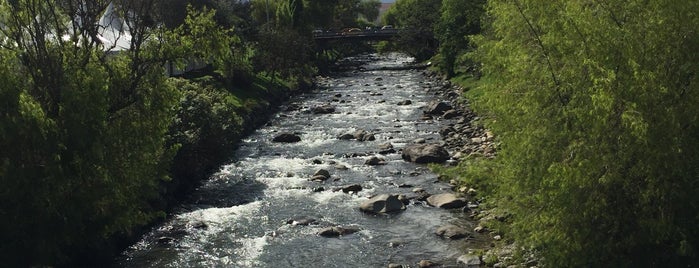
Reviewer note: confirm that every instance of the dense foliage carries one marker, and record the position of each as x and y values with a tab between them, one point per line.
595	106
82	145
417	20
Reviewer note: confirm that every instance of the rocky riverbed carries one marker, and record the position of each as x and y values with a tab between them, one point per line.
337	179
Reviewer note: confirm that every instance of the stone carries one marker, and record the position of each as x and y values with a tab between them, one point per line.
469	260
337	231
341	167
351	188
425	153
450	114
302	220
381	204
452	232
346	136
319	178
446	201
375	161
437	108
287	138
395	265
323	109
405	102
386	146
427	263
363	135
322	172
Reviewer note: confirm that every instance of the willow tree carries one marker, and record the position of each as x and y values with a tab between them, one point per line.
595	103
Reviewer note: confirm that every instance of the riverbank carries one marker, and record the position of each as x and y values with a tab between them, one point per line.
211	119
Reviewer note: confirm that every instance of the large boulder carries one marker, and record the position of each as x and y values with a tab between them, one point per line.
446	201
287	138
437	108
381	204
452	232
425	153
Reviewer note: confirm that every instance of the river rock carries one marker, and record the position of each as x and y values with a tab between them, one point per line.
405	102
323	109
384	203
337	231
425	153
437	108
446	201
321	175
350	188
469	260
450	114
303	221
287	138
346	136
395	265
363	135
427	263
375	161
452	232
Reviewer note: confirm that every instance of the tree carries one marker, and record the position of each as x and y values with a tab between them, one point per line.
82	148
417	19
595	107
458	20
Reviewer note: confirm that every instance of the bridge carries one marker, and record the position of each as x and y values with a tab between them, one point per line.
355	34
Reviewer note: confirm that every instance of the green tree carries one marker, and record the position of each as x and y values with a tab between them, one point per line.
82	148
595	104
417	19
458	20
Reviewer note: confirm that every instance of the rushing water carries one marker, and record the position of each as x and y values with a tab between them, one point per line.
238	218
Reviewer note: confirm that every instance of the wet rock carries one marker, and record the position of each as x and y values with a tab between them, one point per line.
446	201
319	178
450	114
350	188
427	263
322	172
302	220
452	232
346	136
375	161
363	135
405	102
317	161
287	138
437	108
425	153
419	141
469	260
337	231
384	203
321	175
386	146
323	109
395	265
341	167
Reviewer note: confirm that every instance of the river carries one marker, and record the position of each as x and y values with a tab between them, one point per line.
238	217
